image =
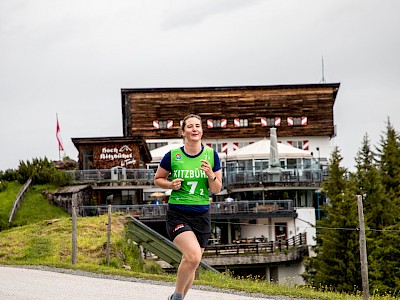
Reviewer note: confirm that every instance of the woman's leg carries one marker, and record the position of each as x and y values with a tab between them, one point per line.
191	281
187	243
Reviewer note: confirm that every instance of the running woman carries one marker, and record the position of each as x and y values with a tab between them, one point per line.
193	170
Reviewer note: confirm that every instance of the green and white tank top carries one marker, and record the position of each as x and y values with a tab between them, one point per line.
194	188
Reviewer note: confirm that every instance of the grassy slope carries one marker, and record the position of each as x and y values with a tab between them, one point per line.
7	198
49	243
35	207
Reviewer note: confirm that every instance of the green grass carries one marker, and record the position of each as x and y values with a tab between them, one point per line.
7	198
48	243
35	207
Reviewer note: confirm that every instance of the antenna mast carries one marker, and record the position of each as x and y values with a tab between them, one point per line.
323	72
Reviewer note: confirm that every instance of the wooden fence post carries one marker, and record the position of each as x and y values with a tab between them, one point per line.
363	249
108	235
74	233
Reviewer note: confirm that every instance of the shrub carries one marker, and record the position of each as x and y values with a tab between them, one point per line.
9	175
3	185
41	171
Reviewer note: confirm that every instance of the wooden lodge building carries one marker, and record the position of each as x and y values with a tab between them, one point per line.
267	207
232	112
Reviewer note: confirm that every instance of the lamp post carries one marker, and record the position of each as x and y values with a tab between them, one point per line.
319	158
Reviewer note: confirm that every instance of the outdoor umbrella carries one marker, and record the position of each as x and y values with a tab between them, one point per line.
157	195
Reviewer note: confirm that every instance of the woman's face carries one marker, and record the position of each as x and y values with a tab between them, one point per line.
193	130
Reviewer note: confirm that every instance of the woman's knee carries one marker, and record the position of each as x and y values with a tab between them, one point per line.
193	258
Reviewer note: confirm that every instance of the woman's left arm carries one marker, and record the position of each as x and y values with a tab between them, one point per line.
215	182
214	178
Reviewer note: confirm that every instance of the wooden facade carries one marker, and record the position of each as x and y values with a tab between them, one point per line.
107	152
142	109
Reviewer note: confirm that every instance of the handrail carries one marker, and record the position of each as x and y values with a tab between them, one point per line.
18	200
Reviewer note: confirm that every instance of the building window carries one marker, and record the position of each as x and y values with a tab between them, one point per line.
297	144
163	124
241	122
216	147
261	164
128	197
304	145
243	144
88	162
216	123
153	146
271	122
297	121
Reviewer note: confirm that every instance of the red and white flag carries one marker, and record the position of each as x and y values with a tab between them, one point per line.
60	146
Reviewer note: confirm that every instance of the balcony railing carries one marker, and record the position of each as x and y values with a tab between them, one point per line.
235	177
151	211
251	176
256	247
111	174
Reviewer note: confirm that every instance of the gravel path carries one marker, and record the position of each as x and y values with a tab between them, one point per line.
44	283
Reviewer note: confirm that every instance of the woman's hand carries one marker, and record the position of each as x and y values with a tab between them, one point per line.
206	167
176	184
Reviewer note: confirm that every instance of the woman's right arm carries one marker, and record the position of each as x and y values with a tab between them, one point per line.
160	179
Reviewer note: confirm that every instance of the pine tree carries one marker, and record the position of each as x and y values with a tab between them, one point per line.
389	164
376	212
385	256
337	264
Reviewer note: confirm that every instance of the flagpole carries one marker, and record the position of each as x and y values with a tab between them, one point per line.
60	146
57	130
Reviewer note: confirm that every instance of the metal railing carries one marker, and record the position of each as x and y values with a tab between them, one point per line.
239	176
216	208
248	176
257	247
110	174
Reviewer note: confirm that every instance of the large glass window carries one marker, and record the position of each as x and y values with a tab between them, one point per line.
306	163
292	163
245	164
261	164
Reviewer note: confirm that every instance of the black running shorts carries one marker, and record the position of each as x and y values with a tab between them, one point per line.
199	223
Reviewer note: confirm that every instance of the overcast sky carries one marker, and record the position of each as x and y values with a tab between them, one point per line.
73	57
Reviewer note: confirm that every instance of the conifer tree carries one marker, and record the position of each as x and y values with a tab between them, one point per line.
337	264
385	256
389	164
377	211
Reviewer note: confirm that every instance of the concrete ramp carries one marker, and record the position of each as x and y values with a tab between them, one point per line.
156	243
